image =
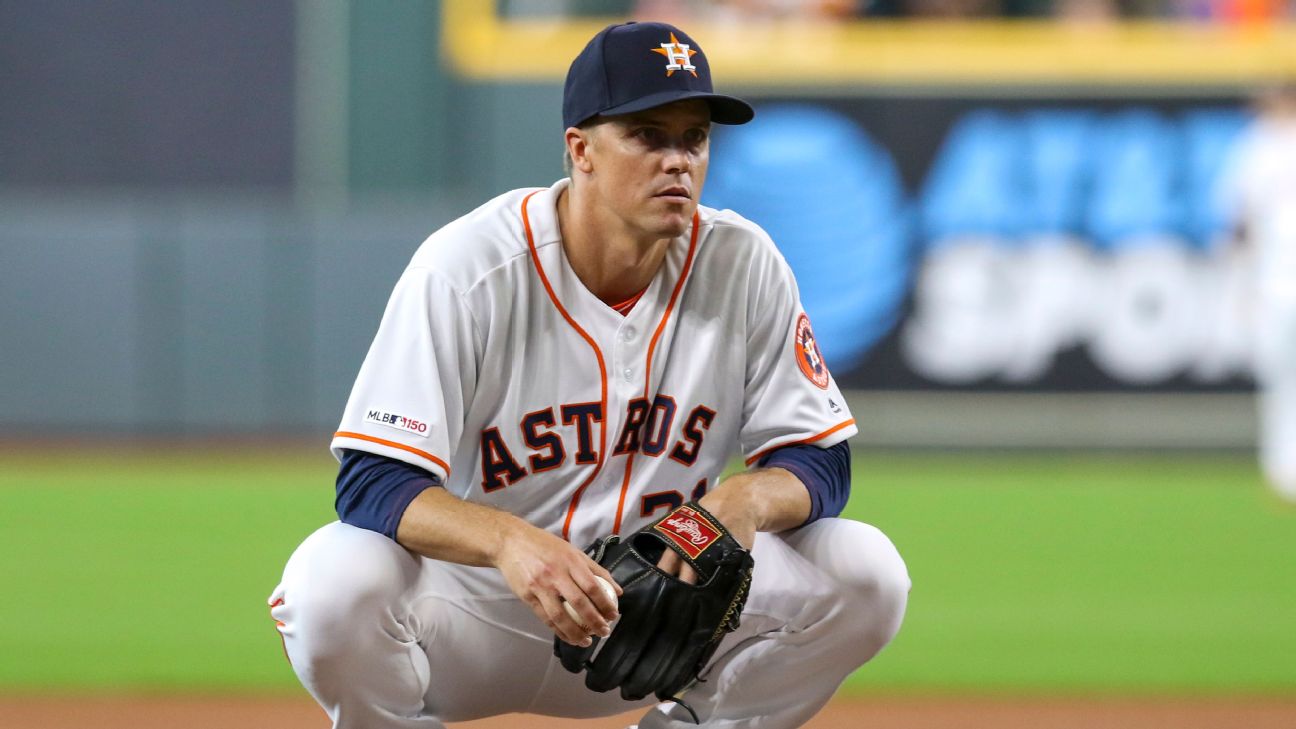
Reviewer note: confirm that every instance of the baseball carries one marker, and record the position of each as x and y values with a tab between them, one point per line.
607	590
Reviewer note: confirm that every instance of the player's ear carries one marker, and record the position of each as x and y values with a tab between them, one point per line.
578	147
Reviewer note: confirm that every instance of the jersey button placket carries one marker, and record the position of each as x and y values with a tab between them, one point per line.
625	353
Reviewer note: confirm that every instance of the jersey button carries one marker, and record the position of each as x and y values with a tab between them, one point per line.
628	334
628	374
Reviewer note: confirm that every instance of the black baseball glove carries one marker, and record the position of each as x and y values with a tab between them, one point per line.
668	629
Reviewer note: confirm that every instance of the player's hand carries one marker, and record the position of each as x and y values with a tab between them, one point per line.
543	571
731	510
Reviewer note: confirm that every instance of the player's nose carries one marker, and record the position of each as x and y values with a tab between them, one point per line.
677	160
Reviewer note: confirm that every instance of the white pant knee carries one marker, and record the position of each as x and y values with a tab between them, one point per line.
339	580
342	570
872	577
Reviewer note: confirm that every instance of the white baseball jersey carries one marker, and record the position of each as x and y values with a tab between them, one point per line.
496	369
1261	182
1260	185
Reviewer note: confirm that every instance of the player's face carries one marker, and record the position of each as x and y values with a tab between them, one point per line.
648	167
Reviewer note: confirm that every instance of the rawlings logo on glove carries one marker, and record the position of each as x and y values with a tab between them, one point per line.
689	530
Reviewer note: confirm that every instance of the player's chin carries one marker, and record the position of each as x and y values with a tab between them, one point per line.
672	228
674	220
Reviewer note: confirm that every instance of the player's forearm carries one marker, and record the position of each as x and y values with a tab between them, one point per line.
556	580
759	500
442	526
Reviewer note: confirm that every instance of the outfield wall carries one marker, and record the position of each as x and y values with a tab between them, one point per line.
200	317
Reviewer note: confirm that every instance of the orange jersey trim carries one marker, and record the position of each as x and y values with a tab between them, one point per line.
652	347
603	393
624	307
394	444
803	441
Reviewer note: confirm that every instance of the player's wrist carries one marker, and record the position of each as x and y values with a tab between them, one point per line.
732	504
504	538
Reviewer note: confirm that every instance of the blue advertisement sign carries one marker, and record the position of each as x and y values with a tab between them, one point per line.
1013	245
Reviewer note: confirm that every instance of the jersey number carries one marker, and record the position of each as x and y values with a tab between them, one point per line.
670	500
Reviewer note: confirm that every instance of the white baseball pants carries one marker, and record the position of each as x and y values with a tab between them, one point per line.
1276	391
384	639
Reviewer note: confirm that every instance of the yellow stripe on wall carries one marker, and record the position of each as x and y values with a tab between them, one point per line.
482	46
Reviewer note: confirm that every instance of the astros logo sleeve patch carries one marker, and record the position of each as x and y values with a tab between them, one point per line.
808	357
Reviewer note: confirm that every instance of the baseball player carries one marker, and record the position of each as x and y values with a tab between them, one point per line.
572	362
1259	185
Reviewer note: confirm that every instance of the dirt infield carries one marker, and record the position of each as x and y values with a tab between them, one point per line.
228	713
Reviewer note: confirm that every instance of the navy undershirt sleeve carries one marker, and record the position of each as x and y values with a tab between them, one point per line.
373	491
824	471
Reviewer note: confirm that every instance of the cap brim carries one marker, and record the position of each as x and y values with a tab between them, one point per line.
724	109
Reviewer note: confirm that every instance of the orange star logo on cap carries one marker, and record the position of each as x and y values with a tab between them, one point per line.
678	55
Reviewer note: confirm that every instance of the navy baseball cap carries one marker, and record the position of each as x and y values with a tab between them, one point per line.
635	66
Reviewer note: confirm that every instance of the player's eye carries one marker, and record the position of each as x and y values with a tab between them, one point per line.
695	137
652	136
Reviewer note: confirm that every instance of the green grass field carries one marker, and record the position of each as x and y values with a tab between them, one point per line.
1033	574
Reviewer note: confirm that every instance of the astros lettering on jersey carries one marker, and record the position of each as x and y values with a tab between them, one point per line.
497	370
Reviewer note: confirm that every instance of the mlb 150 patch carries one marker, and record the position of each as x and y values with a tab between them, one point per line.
399	422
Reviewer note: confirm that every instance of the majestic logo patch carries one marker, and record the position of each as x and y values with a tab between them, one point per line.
690	530
399	422
678	56
807	354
